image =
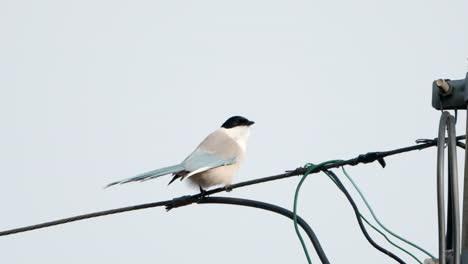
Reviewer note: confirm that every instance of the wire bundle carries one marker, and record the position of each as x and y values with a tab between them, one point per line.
305	171
311	168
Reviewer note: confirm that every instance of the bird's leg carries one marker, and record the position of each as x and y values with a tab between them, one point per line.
202	193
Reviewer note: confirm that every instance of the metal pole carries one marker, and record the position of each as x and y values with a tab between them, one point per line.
449	236
453	179
464	245
451	95
440	186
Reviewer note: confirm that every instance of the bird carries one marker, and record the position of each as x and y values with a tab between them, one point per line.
214	161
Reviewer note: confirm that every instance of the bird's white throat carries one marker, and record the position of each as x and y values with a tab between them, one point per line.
240	134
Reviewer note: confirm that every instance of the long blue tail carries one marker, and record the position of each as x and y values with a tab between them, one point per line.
150	174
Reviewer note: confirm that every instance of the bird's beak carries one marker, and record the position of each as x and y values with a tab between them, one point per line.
250	123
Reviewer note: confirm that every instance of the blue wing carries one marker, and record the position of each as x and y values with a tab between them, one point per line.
200	161
196	162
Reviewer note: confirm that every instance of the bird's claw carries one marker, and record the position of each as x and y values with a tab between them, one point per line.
202	194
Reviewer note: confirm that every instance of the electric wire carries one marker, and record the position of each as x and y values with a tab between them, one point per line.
83	217
388	239
369	157
380	224
358	217
382	233
276	209
378	221
186	200
203	200
310	167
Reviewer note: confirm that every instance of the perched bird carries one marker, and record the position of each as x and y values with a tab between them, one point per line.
215	161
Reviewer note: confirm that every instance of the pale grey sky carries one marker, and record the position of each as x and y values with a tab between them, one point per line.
96	91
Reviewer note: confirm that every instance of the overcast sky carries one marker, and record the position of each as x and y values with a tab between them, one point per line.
96	91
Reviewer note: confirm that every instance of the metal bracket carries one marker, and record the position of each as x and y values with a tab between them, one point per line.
450	94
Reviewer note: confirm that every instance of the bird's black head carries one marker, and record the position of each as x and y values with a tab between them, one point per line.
237	121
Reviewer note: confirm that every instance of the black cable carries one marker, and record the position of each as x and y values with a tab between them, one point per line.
363	158
185	200
358	217
275	209
82	217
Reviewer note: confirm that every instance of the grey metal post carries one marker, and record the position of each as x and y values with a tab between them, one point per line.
464	256
440	187
447	122
453	174
452	95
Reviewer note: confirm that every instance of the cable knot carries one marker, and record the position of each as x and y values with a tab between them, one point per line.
297	171
435	141
427	140
182	201
311	168
368	158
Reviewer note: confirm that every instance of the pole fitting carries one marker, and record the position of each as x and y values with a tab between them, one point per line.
443	86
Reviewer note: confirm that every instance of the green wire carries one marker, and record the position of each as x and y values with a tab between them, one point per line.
389	241
380	232
310	168
377	220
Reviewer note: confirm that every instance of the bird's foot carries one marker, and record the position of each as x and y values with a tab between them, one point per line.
228	188
202	194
